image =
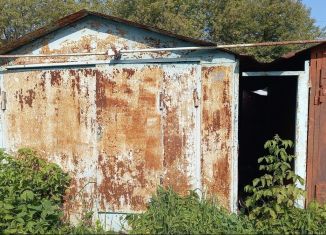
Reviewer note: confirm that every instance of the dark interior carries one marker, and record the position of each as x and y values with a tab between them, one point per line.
261	116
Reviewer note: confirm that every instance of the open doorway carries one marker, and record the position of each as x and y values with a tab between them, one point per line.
267	106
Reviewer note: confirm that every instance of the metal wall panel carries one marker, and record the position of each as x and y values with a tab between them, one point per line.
217	132
53	112
140	145
105	126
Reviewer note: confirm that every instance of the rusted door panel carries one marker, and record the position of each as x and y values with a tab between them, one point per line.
145	132
51	111
317	127
129	130
181	161
216	132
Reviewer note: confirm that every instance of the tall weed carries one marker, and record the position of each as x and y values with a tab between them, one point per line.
170	213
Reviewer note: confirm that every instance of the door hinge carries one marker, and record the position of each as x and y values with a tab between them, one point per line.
196	98
161	102
3	100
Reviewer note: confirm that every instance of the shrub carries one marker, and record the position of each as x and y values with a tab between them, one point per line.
81	229
170	213
275	190
271	205
31	193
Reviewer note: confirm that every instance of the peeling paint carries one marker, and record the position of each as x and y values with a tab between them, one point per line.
129	146
216	132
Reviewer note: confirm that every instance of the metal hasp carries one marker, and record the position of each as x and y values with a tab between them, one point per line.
161	101
3	100
321	97
196	98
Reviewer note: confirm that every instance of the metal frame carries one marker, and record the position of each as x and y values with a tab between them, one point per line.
301	124
2	123
235	144
111	52
100	62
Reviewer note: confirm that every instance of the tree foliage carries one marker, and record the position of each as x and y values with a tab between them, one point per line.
243	21
18	17
220	21
183	17
228	21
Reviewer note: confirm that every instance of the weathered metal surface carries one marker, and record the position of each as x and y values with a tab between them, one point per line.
316	175
129	132
179	134
53	112
104	126
140	146
123	129
216	132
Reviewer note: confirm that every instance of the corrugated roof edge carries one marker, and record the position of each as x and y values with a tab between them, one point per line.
72	18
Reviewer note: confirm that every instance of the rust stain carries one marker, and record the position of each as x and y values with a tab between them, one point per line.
152	42
55	78
130	147
126	89
129	72
222	181
92	42
30	97
178	127
216	132
137	144
96	24
172	139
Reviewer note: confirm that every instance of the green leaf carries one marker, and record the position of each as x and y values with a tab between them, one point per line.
255	182
27	195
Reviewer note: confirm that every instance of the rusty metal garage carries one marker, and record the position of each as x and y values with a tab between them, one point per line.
122	125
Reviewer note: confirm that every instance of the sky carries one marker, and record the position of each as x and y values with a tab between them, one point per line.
318	11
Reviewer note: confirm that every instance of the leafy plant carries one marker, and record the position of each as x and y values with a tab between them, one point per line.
170	213
82	228
275	190
31	193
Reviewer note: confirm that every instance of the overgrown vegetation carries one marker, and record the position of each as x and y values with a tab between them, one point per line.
31	193
275	190
31	196
170	213
270	206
